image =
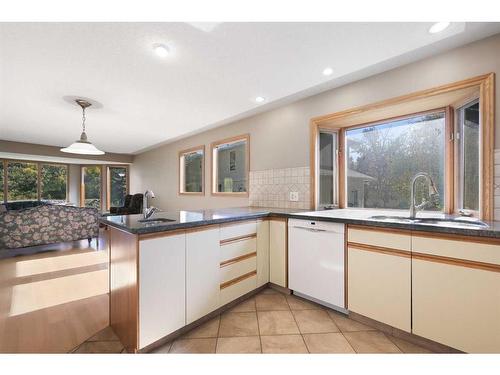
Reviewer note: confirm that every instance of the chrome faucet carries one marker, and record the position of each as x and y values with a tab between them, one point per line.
146	209
432	194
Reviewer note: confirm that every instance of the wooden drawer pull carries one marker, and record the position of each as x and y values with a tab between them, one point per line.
237	259
457	262
238	279
237	239
379	249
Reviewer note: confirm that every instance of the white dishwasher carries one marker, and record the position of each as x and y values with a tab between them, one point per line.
316	261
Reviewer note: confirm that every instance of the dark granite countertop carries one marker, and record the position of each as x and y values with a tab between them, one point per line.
196	218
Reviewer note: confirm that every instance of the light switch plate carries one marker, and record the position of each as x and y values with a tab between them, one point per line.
294	196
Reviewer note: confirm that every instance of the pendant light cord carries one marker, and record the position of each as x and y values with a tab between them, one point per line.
83	119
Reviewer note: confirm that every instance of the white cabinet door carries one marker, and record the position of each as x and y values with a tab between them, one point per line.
202	273
262	252
277	252
162	265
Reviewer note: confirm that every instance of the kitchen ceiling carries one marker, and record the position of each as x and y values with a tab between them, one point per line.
212	73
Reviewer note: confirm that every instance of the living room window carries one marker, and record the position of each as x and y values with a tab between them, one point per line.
54	182
117	186
90	191
22	181
2	181
230	166
191	171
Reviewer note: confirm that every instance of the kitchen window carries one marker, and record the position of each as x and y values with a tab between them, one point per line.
230	166
446	132
381	160
192	171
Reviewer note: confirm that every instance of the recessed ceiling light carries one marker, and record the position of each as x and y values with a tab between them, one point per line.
438	27
327	71
161	50
260	99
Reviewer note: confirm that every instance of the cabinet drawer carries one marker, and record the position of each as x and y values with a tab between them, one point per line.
238	268
236	230
231	292
382	238
231	250
458	249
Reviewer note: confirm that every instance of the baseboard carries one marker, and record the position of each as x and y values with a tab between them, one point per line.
206	318
407	336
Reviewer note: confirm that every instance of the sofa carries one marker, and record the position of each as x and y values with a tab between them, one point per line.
47	224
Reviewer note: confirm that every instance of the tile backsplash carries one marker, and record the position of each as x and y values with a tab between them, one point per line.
272	187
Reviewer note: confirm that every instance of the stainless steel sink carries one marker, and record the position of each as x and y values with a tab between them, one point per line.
453	223
392	219
155	220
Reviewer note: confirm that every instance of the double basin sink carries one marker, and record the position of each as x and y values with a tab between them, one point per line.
459	222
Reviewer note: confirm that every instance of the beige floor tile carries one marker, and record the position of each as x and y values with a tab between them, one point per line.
297	303
94	347
277	323
327	343
206	330
348	325
245	306
238	345
283	344
107	334
238	324
165	348
198	346
371	342
271	302
408	347
314	321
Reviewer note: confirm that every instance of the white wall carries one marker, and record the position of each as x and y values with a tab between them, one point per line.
280	138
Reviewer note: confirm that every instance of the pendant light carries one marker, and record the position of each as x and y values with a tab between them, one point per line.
82	146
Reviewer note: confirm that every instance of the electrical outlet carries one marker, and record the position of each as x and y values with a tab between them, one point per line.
294	196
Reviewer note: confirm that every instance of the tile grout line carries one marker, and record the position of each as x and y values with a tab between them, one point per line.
295	320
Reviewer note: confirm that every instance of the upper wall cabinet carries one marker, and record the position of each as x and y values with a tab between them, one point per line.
230	166
192	171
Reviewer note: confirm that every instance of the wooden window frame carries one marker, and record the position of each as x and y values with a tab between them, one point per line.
39	164
180	173
213	160
82	185
108	182
484	84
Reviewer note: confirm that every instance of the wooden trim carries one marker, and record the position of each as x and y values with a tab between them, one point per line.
245	237
449	169
238	279
379	249
487	115
342	170
379	229
286	253
457	237
213	168
457	262
486	85
237	259
180	186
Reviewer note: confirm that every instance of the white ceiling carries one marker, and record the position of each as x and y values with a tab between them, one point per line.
212	76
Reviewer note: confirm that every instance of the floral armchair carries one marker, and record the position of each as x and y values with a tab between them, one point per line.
47	224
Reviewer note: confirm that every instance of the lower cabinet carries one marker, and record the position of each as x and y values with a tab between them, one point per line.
379	276
162	275
456	300
262	252
278	252
202	273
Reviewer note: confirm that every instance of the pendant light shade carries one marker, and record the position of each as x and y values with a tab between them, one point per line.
82	146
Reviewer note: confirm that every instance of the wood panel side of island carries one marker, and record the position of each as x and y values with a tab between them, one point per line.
124	287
